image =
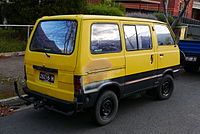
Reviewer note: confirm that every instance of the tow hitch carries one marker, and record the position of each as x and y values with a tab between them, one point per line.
36	103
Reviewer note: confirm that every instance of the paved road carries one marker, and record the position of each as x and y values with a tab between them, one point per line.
178	115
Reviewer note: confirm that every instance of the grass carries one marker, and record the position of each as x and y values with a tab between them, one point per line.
11	41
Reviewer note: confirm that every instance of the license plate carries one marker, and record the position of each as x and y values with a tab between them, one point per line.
46	77
191	59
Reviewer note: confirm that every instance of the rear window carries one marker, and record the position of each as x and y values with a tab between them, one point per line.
56	36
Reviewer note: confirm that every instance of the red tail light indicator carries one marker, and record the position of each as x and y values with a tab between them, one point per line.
77	84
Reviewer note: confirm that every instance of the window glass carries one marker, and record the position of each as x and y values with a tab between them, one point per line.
57	36
164	36
144	37
105	38
130	37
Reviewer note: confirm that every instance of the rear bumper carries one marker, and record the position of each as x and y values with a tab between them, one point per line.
57	105
51	101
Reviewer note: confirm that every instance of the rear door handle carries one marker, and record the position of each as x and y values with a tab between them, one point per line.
161	54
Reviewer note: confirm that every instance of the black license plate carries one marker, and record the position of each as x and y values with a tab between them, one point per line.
46	77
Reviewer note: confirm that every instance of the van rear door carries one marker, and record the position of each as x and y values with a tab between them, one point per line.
50	58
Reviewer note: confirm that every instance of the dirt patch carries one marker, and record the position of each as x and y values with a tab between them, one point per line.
5	110
12	68
6	93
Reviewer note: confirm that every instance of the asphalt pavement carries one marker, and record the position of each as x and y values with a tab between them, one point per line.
178	115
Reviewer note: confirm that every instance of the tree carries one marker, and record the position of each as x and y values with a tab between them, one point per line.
28	11
176	21
181	14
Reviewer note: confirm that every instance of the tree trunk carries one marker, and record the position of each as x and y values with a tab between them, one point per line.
165	5
180	15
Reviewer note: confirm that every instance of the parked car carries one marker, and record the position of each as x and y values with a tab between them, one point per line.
76	62
189	45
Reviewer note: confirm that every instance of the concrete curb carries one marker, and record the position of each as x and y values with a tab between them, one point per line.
11	54
13	101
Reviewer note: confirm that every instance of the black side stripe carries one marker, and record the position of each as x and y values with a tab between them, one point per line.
134	78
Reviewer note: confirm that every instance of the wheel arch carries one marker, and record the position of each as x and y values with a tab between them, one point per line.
113	86
169	72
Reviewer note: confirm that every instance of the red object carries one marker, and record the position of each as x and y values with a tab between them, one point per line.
77	84
174	6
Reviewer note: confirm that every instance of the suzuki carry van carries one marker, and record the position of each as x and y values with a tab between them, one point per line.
76	62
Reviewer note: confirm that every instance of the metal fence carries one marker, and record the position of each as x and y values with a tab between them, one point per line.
189	21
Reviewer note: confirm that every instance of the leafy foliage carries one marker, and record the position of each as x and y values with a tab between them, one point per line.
28	11
103	10
161	17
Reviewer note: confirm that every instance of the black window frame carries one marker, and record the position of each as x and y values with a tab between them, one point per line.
91	38
56	20
169	32
137	37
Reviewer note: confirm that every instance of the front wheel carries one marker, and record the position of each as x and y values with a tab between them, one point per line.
166	87
106	108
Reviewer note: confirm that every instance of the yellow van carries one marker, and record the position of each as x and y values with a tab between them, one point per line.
75	62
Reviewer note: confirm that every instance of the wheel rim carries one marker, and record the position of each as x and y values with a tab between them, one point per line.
106	109
166	88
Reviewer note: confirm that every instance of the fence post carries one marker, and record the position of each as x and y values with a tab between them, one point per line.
28	33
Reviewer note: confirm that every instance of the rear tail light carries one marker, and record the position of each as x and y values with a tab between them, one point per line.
25	77
77	84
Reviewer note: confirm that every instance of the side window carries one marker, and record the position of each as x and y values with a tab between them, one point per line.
130	37
164	36
105	38
144	37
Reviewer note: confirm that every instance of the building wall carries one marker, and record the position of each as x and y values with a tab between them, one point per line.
173	7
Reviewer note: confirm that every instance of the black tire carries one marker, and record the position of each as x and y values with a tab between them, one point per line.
106	108
165	89
191	68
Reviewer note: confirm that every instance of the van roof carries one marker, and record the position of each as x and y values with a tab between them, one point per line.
99	17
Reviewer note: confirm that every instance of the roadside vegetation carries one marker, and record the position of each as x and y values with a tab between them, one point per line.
10	41
30	11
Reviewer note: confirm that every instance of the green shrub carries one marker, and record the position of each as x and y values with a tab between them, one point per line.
30	11
10	41
161	17
27	11
104	10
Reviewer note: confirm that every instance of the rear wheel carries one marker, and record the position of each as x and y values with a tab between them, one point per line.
165	89
106	108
